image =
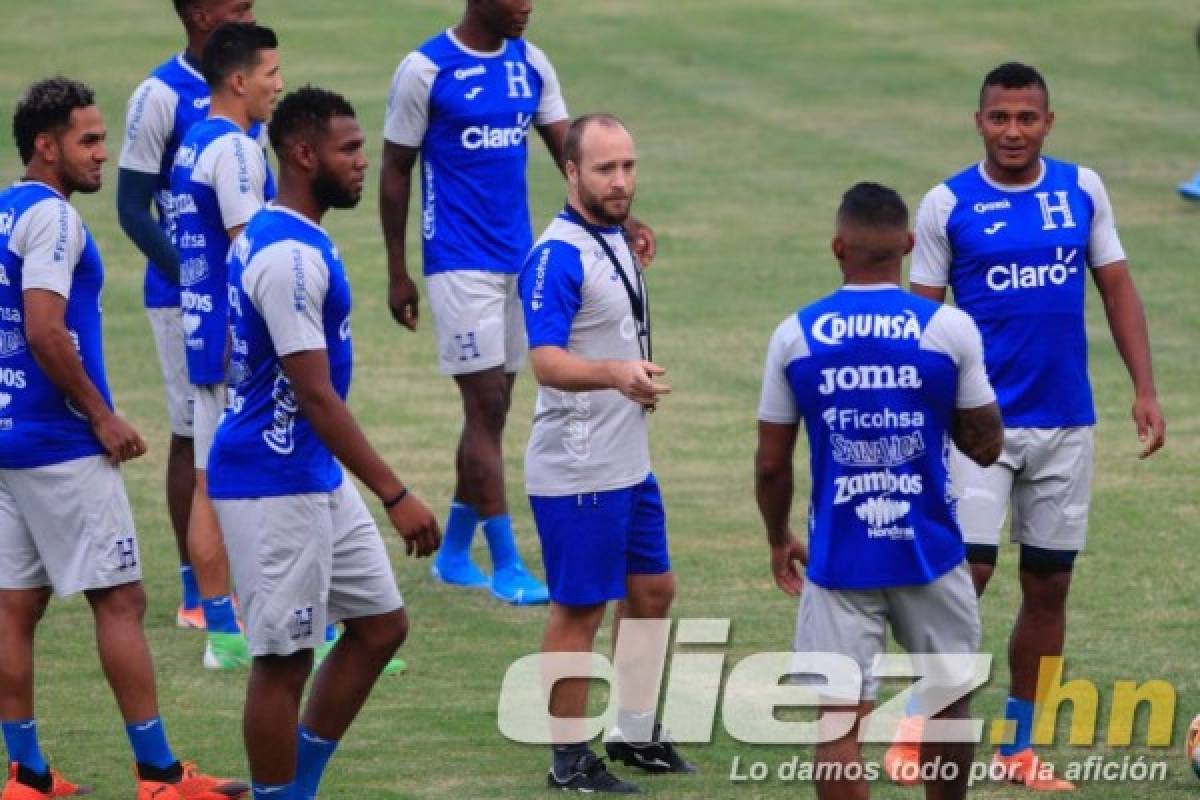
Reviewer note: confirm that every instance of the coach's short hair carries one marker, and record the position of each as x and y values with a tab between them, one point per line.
234	46
575	131
872	205
305	112
47	106
1013	75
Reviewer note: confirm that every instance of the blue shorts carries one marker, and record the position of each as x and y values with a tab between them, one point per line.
592	542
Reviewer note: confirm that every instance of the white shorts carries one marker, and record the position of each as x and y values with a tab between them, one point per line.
303	561
167	326
1046	475
208	404
478	321
941	617
67	526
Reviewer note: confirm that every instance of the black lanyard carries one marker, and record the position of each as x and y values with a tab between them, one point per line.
639	299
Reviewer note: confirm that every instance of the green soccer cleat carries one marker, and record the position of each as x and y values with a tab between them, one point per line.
226	651
393	667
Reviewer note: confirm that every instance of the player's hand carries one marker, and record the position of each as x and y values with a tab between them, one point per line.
635	380
1151	427
645	244
120	440
784	559
417	525
402	301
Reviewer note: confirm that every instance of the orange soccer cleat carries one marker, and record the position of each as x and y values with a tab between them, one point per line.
902	761
190	618
1031	772
60	787
192	785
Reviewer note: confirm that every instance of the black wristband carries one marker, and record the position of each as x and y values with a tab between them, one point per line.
395	501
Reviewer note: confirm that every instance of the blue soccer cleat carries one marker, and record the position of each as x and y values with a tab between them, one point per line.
517	587
459	572
1190	190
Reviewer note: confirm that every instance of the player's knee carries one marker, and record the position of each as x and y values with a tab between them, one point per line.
382	634
125	604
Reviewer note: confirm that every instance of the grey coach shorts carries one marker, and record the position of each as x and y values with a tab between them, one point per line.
303	561
1046	474
208	406
67	526
937	617
167	326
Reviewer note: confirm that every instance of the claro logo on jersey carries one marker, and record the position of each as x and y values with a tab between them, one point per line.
832	328
869	377
1011	277
485	137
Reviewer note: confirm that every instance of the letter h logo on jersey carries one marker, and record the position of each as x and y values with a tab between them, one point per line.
126	553
467	346
1048	211
302	623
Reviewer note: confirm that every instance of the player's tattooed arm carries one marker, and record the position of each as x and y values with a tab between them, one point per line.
395	193
773	488
979	433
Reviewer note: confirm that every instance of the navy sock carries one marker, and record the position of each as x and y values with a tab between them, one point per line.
149	742
273	791
219	616
503	546
191	589
460	531
21	739
565	756
1020	711
312	756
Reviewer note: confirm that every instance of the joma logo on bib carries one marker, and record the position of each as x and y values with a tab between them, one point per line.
869	377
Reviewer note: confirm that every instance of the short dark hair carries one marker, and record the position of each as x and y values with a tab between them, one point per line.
574	137
1013	75
873	205
184	6
47	106
234	46
305	112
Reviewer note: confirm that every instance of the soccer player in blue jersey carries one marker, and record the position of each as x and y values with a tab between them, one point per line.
882	381
65	522
219	180
159	114
1016	236
465	102
303	547
595	500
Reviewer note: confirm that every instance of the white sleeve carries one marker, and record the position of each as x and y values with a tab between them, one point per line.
148	122
952	332
287	282
778	403
1104	246
551	106
931	256
407	116
50	238
238	175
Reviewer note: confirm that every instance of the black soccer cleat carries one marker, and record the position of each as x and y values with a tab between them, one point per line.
657	755
588	774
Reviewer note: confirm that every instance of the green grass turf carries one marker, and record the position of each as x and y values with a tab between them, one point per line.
751	118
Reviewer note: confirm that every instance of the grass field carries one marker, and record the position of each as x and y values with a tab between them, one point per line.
751	118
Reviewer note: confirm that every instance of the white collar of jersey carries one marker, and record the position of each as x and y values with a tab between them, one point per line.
869	287
476	53
1002	187
273	206
27	182
183	62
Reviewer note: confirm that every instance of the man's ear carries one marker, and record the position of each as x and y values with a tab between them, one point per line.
46	146
912	240
838	246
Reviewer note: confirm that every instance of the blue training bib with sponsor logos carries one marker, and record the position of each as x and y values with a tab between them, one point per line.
877	408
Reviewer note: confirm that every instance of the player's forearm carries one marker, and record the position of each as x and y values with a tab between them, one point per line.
557	368
135	194
1127	321
773	489
54	351
395	195
339	431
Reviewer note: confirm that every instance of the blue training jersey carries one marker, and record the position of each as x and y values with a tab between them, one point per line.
875	374
219	181
288	293
45	245
161	111
1017	260
470	114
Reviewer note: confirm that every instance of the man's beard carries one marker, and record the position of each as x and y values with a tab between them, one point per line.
330	194
595	206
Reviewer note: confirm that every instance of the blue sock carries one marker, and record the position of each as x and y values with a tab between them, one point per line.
460	531
503	547
21	739
273	791
191	590
312	755
218	614
331	633
149	742
1020	711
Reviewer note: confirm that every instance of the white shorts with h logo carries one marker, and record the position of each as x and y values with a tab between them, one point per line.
477	320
